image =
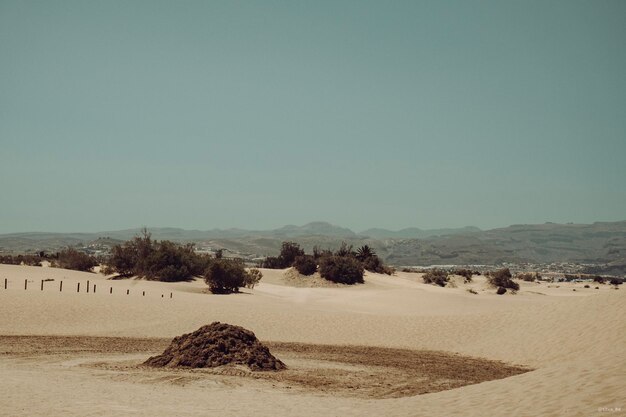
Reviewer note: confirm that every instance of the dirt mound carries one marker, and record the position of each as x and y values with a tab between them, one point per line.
215	345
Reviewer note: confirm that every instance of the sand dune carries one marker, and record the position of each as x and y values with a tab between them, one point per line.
573	339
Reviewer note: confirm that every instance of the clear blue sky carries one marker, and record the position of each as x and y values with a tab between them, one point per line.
202	114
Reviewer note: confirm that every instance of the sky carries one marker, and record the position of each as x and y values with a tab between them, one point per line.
257	114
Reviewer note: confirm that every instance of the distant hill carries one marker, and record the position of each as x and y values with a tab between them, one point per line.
415	233
602	245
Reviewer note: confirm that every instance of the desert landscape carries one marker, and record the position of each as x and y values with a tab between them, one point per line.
312	208
390	346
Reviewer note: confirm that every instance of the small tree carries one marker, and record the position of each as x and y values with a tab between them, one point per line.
289	252
305	264
365	252
70	258
226	276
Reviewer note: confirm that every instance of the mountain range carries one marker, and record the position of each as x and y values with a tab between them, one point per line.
600	243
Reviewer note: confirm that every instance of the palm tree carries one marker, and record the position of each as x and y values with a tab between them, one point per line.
365	252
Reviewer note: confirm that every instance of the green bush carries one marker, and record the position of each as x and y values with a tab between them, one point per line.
341	269
225	276
305	264
30	260
436	276
289	251
70	258
502	278
154	260
272	262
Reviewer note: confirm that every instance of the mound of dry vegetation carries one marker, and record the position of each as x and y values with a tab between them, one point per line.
217	344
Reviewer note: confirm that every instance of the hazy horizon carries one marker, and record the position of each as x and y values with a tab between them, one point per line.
256	115
357	231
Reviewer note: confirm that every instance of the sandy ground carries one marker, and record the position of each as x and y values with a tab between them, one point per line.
574	341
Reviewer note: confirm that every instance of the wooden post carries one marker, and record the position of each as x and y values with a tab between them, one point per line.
144	293
60	286
170	295
5	283
87	286
78	287
25	283
111	290
94	288
127	292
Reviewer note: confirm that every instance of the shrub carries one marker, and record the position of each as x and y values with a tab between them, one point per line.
436	276
170	262
587	286
253	277
70	258
345	250
465	273
370	260
598	279
528	276
289	251
271	262
30	260
154	260
501	290
502	278
305	264
472	291
615	281
341	269
225	276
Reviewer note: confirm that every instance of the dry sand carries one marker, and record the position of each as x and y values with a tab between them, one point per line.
574	341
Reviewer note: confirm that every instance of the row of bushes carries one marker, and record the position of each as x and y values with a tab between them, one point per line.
500	279
168	261
155	260
345	265
68	258
31	260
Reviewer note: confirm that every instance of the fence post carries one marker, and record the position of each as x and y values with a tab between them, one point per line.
170	295
144	294
25	283
42	285
61	286
78	287
5	283
94	288
87	286
111	290
127	292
